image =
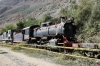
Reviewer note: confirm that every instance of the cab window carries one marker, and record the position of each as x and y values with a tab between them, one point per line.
26	31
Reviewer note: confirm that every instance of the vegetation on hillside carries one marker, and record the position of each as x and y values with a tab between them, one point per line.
87	17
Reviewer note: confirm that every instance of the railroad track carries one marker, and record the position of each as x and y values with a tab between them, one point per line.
58	49
68	55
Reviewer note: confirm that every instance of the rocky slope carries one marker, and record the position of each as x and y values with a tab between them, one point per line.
12	11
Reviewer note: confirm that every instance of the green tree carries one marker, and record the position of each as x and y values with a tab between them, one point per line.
8	27
47	17
21	24
2	30
39	22
30	21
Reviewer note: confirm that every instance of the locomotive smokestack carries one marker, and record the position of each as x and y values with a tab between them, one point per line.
63	19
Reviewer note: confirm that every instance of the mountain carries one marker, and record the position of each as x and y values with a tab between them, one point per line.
11	11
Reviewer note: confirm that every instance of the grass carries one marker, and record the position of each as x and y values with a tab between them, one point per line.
5	45
57	58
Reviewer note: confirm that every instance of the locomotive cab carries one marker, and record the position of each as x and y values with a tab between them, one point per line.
28	33
25	32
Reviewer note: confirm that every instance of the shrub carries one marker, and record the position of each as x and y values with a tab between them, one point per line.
47	17
20	24
8	27
87	19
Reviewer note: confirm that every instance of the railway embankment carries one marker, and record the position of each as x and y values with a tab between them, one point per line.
11	58
54	57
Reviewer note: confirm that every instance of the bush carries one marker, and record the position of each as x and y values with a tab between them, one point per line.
8	27
64	11
20	24
47	17
87	19
27	22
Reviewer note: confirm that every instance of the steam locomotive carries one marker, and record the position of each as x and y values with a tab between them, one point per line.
62	34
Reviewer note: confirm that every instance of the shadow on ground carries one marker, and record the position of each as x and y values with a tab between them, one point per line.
3	52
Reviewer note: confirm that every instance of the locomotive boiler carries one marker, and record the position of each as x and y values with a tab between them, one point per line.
48	31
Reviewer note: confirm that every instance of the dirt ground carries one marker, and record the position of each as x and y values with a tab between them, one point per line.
10	58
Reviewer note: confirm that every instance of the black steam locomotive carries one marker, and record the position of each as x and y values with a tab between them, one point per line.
62	34
45	32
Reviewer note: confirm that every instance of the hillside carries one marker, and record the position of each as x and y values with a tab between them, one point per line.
12	11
